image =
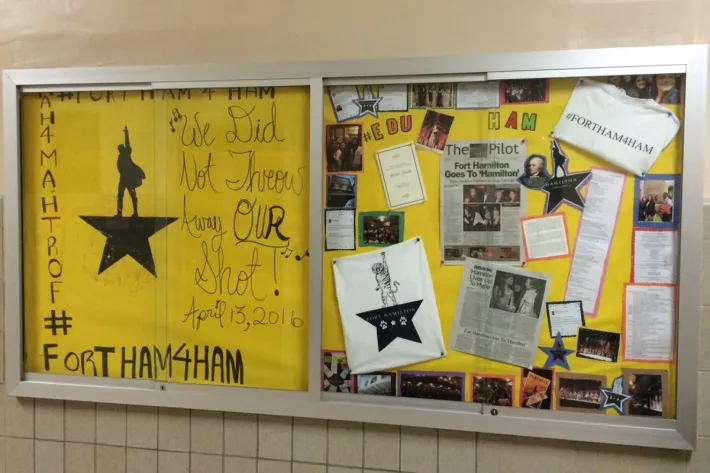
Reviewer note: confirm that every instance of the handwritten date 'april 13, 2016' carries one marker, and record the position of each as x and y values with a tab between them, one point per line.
253	219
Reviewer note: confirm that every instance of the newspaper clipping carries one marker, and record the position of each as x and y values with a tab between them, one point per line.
481	201
498	312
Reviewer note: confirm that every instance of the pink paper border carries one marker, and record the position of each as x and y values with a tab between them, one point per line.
613	234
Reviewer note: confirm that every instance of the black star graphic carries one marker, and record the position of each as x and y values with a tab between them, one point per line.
565	189
368	106
615	400
128	236
402	313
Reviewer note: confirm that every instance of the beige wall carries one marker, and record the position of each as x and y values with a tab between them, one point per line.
49	437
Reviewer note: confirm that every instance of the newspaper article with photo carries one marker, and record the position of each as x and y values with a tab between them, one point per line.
481	201
499	312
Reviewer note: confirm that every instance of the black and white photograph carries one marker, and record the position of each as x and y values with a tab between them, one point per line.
491	389
517	294
481	217
491	194
381	228
579	392
378	384
661	88
598	345
649	391
431	95
343	148
521	91
435	131
341	191
336	372
432	385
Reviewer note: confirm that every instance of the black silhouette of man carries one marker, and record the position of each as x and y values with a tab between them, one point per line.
559	158
131	175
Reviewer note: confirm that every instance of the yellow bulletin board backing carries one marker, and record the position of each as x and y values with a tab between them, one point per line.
207	282
531	124
219	294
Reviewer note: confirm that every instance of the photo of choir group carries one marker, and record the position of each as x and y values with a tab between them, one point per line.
431	386
662	88
579	393
598	345
525	91
497	391
432	95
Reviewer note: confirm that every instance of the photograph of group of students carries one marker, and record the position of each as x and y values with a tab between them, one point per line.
525	91
579	393
491	194
432	95
656	201
343	148
663	88
598	345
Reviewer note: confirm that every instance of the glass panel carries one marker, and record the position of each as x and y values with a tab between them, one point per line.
533	222
180	251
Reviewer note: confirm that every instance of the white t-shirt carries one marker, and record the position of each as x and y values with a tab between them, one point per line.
387	307
626	131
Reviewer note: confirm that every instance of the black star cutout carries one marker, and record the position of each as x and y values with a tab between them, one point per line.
368	106
128	236
403	327
614	400
565	189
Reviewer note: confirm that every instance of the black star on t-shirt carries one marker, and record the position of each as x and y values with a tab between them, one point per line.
393	322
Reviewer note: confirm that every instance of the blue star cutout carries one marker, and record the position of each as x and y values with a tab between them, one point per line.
557	354
615	400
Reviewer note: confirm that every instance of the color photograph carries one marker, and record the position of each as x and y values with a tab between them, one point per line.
381	228
343	148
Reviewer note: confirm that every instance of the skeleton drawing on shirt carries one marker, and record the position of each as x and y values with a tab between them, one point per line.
385	285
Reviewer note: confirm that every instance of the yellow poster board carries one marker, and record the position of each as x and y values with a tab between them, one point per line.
165	235
531	122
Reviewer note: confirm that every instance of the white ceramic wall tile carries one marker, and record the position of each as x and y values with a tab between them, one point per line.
345	443
111	424
240	434
2	409
19	455
275	434
142	427
79	457
273	466
174	429
239	465
49	456
173	462
110	459
49	419
2	452
419	450
207	432
703	407
307	468
310	439
706	272
457	451
343	469
139	460
382	444
19	416
202	463
508	454
704	340
593	458
80	422
700	459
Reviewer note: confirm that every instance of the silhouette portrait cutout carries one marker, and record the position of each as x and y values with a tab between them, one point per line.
127	236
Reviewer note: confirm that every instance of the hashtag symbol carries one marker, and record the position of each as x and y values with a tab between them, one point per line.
54	325
569	116
368	136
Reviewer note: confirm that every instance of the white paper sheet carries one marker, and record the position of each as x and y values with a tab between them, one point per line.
649	332
342	98
401	177
545	237
655	257
339	229
394	98
596	230
565	318
478	94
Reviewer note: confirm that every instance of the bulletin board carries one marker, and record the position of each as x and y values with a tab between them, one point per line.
199	237
510	117
166	235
